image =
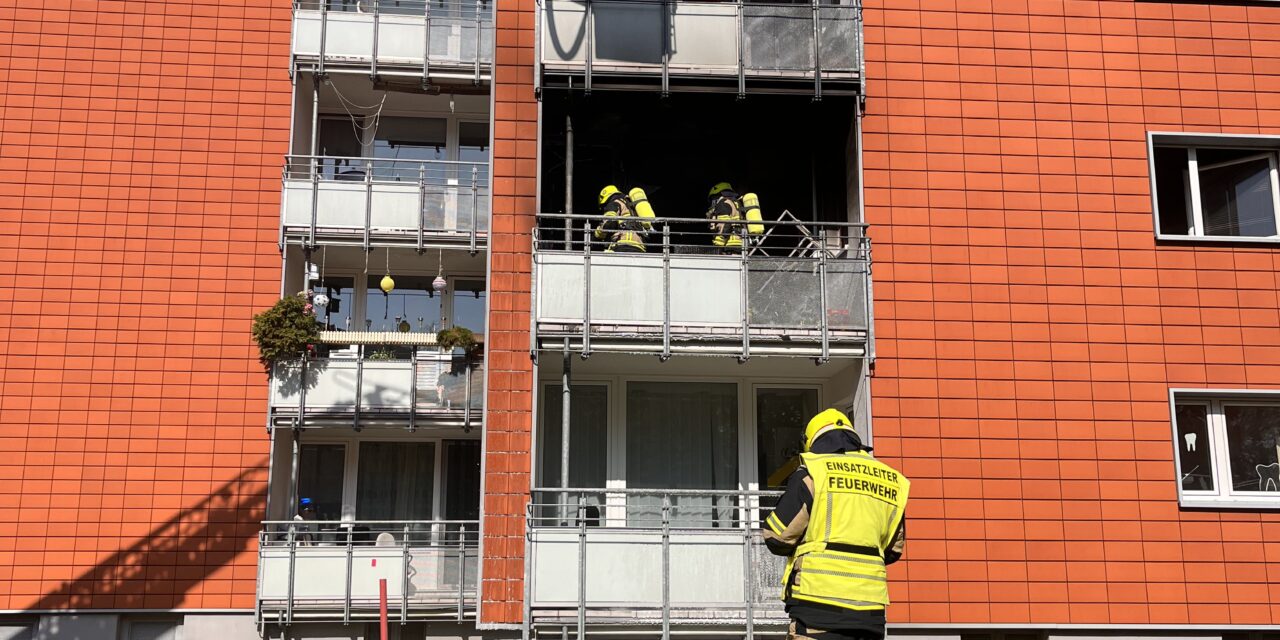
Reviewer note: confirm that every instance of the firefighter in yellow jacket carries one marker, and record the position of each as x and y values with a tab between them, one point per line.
840	522
626	219
727	210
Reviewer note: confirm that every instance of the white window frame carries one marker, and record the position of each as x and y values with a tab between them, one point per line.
1266	145
1223	495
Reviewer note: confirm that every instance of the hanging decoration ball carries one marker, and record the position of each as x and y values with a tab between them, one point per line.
439	284
404	326
387	284
321	300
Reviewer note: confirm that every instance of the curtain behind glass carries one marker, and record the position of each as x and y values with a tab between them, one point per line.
395	481
682	435
588	438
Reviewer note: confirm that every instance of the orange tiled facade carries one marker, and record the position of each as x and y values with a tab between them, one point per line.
140	148
1030	326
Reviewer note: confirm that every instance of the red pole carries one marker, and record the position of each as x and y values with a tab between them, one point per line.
382	606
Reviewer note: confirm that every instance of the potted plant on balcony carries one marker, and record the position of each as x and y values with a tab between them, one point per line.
460	338
286	331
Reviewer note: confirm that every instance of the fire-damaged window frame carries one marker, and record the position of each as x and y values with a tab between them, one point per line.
1223	495
1268	145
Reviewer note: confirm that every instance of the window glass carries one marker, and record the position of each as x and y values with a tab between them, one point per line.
473	141
320	473
683	435
468	305
1253	445
1195	459
154	630
395	481
1172	190
340	148
408	139
781	415
1235	192
588	435
411	306
338	313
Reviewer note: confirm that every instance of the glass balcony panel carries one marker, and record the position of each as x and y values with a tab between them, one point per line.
384	384
408	32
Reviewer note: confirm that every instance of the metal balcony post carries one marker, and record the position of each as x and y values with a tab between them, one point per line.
746	294
293	559
817	54
284	200
413	389
315	200
667	20
527	622
466	406
422	204
373	60
475	204
476	80
462	569
666	292
324	32
355	414
302	390
404	579
586	285
748	580
742	44
588	21
426	43
368	200
823	315
666	566
582	567
346	602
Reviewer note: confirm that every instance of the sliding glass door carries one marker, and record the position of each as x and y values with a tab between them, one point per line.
682	435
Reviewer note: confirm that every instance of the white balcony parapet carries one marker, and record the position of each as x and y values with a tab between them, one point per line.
689	557
437	387
431	39
813	45
374	201
790	288
313	570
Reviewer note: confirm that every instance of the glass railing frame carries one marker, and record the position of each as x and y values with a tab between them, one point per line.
311	170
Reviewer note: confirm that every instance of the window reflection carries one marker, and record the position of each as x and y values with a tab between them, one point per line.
411	306
468	305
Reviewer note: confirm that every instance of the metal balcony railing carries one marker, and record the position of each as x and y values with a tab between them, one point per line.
331	570
784	287
430	39
375	201
368	386
689	557
812	43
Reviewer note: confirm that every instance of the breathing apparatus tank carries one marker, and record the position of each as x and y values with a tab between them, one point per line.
640	202
751	204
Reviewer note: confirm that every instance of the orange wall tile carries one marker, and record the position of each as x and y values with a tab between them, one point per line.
140	152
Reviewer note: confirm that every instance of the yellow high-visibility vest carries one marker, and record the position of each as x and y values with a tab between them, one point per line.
858	503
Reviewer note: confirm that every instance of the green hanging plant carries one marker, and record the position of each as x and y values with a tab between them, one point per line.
459	338
286	331
385	353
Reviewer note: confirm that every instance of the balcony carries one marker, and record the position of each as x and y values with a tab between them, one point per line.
434	40
373	201
332	570
797	289
409	388
672	45
666	543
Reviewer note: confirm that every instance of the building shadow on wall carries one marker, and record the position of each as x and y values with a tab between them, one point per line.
160	568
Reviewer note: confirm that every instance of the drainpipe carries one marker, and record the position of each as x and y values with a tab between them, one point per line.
568	182
565	403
